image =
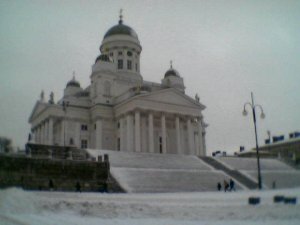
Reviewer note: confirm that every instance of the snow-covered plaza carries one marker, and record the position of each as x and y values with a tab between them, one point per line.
18	207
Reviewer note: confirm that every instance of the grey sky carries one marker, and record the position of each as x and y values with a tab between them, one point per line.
222	49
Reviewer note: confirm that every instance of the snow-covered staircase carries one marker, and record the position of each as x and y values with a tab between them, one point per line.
237	175
151	172
273	171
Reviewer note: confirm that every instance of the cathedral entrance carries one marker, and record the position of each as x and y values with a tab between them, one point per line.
160	144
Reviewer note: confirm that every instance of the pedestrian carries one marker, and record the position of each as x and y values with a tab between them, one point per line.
51	185
226	185
78	187
231	185
219	186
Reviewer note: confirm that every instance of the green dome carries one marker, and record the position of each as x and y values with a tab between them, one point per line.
172	72
73	83
104	58
121	29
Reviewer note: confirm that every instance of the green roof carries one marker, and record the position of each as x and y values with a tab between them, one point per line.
121	29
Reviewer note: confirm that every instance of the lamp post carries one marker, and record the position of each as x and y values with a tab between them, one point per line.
262	115
64	107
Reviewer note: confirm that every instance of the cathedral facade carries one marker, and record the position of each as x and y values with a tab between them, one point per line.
119	110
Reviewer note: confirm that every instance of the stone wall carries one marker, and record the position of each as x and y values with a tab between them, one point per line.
59	175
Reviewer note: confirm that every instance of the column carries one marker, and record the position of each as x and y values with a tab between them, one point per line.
50	131
129	130
200	150
33	136
62	133
190	136
150	133
204	143
164	134
46	125
39	134
42	133
99	134
122	134
137	139
177	121
77	135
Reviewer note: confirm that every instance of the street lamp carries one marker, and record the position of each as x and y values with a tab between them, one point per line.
262	116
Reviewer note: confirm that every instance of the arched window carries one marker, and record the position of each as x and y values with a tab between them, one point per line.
107	87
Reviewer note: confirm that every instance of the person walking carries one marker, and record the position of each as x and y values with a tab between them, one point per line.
219	186
231	185
78	187
226	185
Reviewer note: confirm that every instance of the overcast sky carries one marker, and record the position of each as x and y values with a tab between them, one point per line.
222	49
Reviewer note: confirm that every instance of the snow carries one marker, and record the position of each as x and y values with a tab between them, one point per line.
283	179
66	208
271	170
158	180
152	172
240	163
151	160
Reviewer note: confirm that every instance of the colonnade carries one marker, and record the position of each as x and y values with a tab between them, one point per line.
43	133
130	132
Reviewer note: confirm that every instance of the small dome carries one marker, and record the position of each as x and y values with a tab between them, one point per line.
121	29
171	71
104	58
73	83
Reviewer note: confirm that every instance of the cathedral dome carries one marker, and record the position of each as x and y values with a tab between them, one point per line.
121	29
73	83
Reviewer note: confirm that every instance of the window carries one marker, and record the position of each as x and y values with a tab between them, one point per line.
107	87
71	141
129	53
111	54
84	143
119	144
118	125
120	64
136	68
120	53
129	64
84	127
95	126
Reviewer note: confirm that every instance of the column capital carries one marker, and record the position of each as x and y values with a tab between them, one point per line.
150	111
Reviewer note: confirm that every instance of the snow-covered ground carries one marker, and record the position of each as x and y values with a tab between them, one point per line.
152	172
55	208
271	170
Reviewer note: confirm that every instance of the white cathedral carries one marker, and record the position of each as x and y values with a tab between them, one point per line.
119	110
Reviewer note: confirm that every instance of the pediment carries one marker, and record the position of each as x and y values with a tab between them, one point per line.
172	96
38	108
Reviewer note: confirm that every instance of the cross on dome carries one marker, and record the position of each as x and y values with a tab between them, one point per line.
171	64
73	75
121	16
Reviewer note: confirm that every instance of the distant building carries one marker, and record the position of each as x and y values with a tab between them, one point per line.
288	150
119	110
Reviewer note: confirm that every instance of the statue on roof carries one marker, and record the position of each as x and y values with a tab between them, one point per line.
42	96
51	98
197	98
